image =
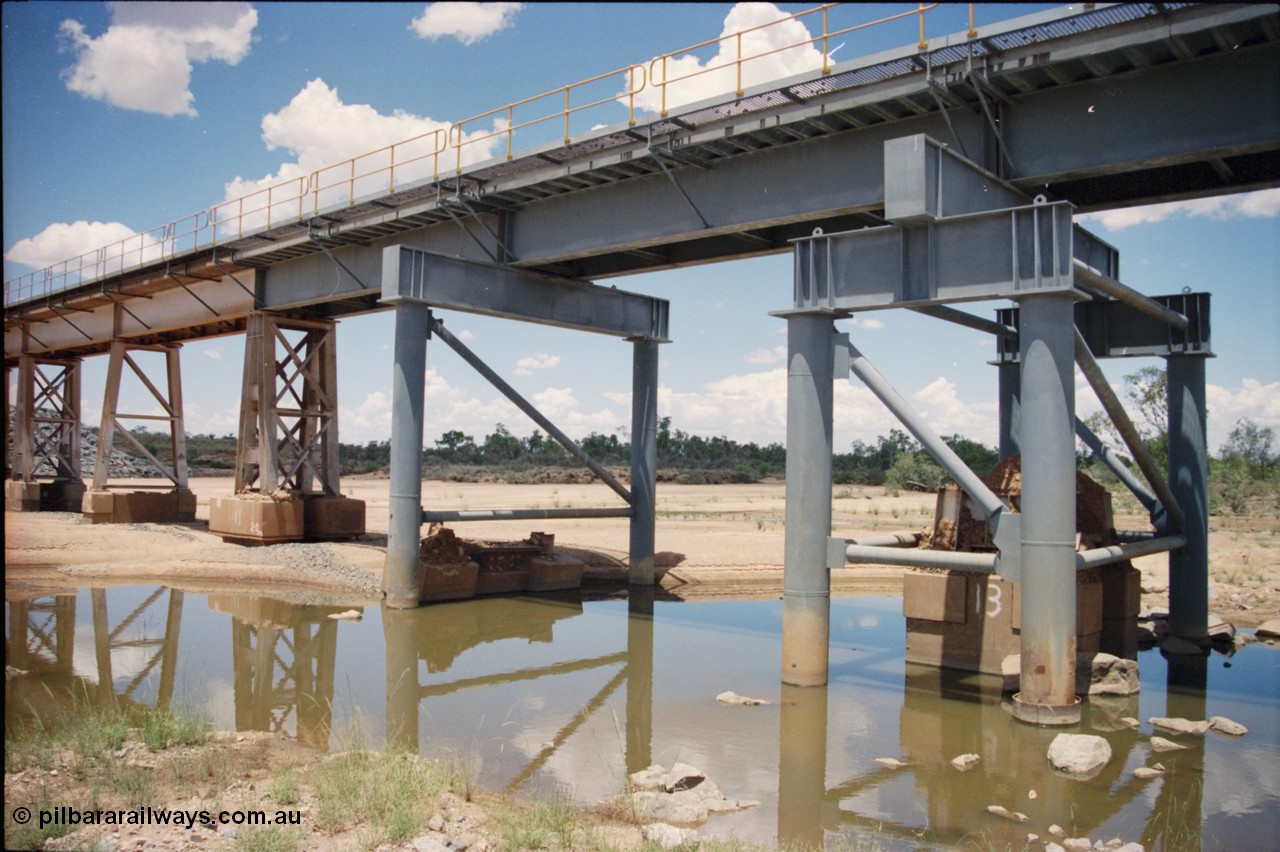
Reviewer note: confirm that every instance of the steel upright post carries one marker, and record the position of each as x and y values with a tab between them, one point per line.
404	524
806	580
644	459
1189	482
1048	599
1010	384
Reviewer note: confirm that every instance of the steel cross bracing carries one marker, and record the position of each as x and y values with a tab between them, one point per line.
1139	85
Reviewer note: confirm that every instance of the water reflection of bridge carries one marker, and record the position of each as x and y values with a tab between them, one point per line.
41	642
284	660
408	643
1013	772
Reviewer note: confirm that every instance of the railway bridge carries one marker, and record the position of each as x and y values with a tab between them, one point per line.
943	172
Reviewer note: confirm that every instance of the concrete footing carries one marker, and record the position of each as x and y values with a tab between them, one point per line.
326	518
461	580
447	581
257	518
136	507
972	621
34	496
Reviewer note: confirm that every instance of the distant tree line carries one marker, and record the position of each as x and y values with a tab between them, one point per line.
1244	475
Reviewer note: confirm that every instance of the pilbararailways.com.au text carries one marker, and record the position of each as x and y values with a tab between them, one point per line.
67	815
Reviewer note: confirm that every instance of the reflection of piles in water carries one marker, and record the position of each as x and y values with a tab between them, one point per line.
300	641
450	568
449	631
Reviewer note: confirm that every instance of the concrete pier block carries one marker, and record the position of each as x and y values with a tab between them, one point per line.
138	507
972	621
447	581
61	495
21	496
326	518
257	518
502	582
554	572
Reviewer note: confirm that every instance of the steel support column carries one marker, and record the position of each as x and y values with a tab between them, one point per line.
1010	390
1048	599
404	522
644	459
806	580
1189	482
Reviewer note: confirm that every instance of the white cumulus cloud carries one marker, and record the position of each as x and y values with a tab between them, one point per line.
467	22
772	355
144	59
61	241
689	78
1262	204
541	361
321	132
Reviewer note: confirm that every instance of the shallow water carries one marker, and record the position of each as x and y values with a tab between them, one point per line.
537	693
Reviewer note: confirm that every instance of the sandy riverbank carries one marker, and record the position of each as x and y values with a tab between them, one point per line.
712	540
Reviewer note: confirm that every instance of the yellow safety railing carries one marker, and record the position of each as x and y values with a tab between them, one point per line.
382	170
738	61
506	114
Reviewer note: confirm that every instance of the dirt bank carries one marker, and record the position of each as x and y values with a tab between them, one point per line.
713	540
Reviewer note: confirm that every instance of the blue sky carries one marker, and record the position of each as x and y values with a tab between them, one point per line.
120	117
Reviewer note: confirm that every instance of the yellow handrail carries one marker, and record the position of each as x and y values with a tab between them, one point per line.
827	34
458	141
287	200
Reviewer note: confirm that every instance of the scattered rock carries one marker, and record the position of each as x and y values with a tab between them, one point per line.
1147	772
1107	675
1057	830
891	762
1161	744
1131	722
10	672
668	836
1220	630
1243	639
1053	847
1077	844
1079	754
348	615
436	823
965	762
683	777
1006	813
1223	725
731	697
1179	726
427	843
681	795
1130	847
1269	629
